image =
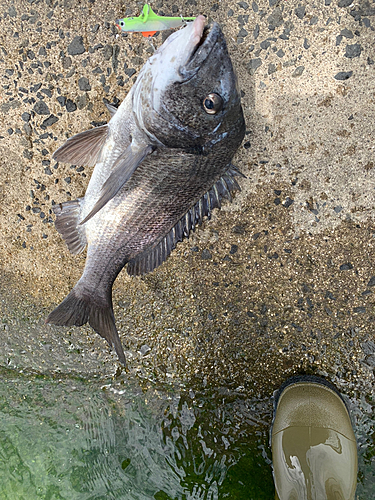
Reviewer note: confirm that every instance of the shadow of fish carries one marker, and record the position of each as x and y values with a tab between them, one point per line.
162	163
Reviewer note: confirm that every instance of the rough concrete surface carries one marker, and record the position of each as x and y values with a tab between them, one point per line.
282	280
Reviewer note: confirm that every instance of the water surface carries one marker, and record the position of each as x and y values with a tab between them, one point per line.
71	438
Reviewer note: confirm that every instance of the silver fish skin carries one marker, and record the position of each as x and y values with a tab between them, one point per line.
162	163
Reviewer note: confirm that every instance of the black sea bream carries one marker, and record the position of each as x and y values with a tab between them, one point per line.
162	163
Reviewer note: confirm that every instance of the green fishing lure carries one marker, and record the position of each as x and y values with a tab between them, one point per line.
148	23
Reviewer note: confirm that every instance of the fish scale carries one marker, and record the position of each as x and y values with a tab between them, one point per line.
161	165
155	208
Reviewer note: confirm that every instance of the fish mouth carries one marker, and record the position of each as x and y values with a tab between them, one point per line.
208	37
203	38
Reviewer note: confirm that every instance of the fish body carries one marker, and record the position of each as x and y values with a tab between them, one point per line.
162	163
149	23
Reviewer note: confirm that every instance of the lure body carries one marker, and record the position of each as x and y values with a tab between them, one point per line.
148	23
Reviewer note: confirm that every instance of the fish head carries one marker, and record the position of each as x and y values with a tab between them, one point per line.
187	94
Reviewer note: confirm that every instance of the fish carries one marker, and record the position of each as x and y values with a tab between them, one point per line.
148	23
162	163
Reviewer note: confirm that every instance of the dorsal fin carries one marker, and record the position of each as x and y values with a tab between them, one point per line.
83	148
154	257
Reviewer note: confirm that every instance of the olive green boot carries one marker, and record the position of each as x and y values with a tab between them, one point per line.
314	450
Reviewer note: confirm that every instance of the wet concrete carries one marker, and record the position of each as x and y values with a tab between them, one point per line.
279	282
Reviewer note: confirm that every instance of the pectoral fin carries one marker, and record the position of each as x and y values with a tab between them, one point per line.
83	148
126	164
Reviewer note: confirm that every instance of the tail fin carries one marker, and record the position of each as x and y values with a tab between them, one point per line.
77	310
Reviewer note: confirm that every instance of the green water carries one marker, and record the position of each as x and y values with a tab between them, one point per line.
80	439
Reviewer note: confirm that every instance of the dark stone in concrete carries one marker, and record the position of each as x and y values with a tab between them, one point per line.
84	84
343	75
253	65
70	106
41	108
300	11
271	68
50	121
298	71
206	255
61	100
76	46
346	267
288	202
353	50
66	62
346	33
359	310
275	19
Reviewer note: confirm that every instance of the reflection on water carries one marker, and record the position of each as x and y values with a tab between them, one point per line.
77	439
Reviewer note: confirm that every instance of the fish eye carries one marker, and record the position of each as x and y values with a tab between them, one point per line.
212	104
122	23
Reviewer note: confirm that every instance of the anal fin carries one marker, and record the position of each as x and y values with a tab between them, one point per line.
67	217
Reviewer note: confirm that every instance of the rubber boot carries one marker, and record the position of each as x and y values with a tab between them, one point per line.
314	450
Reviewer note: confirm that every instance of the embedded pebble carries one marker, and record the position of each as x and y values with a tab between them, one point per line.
145	349
346	33
41	108
233	249
76	46
298	71
353	50
206	255
70	106
288	202
300	11
343	75
275	19
84	84
253	65
346	267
